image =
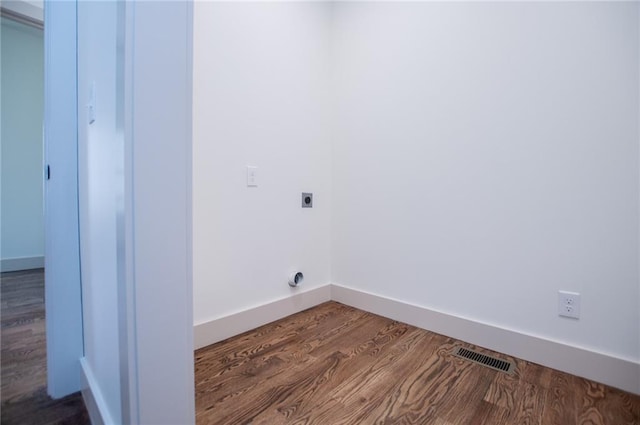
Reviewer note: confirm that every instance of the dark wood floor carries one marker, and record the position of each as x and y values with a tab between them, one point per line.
24	361
338	365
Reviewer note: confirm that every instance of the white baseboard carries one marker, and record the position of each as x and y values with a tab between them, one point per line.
599	367
222	328
93	399
22	263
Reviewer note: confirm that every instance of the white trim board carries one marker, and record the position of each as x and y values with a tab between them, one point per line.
224	327
599	367
22	263
92	396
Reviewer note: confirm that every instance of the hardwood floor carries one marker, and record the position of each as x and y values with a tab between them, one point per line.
334	364
329	365
23	390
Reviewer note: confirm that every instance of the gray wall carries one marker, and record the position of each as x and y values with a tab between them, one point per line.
22	243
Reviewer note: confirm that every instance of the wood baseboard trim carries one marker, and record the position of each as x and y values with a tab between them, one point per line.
22	263
93	398
599	367
219	329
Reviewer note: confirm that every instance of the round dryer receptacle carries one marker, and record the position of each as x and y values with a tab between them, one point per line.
295	279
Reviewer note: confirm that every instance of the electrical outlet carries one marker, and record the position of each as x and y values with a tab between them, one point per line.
307	200
569	304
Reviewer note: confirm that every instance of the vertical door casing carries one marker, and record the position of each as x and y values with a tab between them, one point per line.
62	252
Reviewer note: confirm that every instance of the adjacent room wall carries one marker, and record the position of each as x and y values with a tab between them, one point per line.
260	93
494	151
22	235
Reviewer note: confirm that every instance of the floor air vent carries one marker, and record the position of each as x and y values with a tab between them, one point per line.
488	361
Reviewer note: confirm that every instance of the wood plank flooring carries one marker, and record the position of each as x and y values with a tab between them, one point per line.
24	398
329	365
334	364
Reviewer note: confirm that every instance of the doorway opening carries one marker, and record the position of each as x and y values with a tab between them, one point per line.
25	391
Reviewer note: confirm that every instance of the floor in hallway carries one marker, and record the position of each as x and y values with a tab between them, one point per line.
23	393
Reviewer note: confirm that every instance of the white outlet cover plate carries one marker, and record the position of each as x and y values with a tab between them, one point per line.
569	304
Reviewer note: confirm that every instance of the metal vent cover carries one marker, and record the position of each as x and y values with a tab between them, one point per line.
488	361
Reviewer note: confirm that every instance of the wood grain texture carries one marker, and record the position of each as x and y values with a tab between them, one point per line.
334	364
24	357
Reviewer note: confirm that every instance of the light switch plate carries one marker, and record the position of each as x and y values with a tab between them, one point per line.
91	106
252	176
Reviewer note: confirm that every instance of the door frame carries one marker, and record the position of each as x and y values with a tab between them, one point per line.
63	291
154	271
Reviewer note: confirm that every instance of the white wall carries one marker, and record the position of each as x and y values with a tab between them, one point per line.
260	95
465	161
494	150
22	235
98	188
